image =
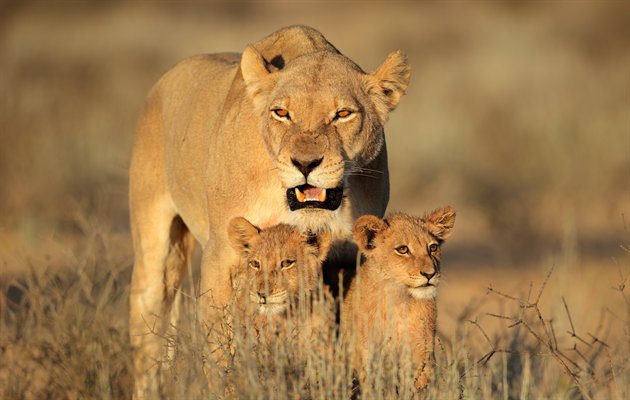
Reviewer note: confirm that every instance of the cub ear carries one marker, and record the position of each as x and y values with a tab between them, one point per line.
256	75
440	222
388	83
241	233
365	230
321	241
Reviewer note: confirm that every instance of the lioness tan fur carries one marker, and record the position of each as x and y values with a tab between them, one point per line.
280	268
391	301
289	131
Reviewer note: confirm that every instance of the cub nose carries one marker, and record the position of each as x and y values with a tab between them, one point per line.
306	166
428	275
262	299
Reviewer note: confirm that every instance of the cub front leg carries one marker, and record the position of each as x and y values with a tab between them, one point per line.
424	350
423	375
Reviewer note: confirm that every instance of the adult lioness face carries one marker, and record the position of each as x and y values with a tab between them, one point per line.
322	120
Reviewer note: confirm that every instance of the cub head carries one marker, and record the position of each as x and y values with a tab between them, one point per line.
279	263
406	249
322	119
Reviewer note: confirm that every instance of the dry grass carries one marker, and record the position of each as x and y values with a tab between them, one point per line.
517	115
64	330
64	335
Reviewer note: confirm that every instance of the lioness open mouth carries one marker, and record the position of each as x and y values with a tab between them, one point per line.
307	196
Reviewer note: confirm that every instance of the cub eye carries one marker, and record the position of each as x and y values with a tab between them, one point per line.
286	264
253	264
400	250
433	247
341	114
281	113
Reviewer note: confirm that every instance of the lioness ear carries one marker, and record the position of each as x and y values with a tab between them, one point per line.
321	241
440	222
241	232
256	76
388	83
365	230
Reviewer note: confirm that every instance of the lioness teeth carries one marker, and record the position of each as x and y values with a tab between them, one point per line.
322	195
301	197
310	194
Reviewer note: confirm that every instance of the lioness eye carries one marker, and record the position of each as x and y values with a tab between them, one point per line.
402	250
253	264
433	247
281	113
343	114
286	264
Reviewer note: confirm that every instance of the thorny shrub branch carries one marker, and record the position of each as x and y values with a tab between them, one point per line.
545	335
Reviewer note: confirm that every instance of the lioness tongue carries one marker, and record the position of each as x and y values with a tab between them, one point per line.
311	194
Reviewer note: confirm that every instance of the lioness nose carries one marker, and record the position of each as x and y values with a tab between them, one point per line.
428	275
261	298
306	166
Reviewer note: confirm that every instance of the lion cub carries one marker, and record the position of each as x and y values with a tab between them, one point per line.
391	301
279	268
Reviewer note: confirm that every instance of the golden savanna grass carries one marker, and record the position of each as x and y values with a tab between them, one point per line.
517	115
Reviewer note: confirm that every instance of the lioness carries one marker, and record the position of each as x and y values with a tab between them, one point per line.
291	131
391	302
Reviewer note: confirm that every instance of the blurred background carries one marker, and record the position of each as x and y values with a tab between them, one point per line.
518	115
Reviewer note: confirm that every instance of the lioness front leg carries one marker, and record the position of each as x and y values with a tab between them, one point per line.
163	248
215	295
147	312
145	301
